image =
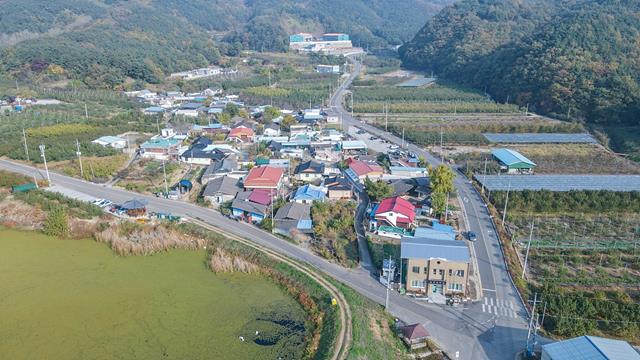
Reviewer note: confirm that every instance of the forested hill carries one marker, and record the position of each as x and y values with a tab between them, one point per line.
564	58
104	41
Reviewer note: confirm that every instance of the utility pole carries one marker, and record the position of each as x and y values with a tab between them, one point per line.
386	116
446	208
526	256
86	112
403	138
386	301
441	147
351	104
26	148
166	185
484	176
273	221
532	331
79	158
506	201
46	169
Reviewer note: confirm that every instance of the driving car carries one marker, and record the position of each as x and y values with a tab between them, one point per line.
472	236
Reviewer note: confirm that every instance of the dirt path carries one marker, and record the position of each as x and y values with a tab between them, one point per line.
344	338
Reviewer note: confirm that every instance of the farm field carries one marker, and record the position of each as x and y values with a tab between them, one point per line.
556	159
584	257
75	299
59	126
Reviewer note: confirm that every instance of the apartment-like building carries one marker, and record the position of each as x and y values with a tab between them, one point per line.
435	266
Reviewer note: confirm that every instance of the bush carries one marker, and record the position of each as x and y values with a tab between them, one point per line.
57	223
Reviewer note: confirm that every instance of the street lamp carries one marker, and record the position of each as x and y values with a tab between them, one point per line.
44	158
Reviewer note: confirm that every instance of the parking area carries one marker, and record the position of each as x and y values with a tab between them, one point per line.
373	142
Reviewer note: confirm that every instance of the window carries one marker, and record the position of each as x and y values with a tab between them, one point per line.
417	284
450	272
426	270
455	287
435	271
441	271
460	273
416	269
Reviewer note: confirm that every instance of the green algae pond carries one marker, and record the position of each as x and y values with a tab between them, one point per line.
75	299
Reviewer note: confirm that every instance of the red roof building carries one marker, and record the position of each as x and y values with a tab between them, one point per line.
261	196
395	211
241	134
364	169
264	177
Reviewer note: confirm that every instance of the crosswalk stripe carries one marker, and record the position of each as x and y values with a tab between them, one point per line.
491	301
486	301
495	310
483	309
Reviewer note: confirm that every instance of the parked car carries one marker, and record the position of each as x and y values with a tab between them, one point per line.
471	236
360	132
393	147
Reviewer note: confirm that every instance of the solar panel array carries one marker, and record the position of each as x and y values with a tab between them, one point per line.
535	138
560	182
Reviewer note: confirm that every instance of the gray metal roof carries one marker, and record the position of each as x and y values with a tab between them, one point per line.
294	211
560	182
535	138
222	185
590	348
426	248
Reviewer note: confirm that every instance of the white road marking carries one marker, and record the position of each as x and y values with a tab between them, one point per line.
483	309
491	301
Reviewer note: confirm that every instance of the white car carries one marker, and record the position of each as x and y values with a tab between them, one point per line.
97	201
394	147
106	203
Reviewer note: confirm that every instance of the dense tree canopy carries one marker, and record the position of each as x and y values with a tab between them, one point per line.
104	42
574	59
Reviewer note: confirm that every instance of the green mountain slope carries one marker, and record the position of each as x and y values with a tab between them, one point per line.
105	41
564	58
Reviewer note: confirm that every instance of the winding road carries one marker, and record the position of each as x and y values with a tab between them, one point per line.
493	328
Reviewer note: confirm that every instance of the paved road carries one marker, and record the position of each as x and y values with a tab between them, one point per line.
486	330
453	328
500	304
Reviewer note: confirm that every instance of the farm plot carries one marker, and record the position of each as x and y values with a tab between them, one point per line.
59	126
290	91
556	159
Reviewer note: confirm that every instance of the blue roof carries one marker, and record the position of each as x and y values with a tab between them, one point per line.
511	157
352	175
590	348
305	224
156	109
160	143
353	144
426	248
442	227
408	168
110	139
423	232
308	192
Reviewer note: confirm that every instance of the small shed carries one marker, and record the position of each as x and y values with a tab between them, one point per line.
415	336
185	185
513	162
135	207
24	187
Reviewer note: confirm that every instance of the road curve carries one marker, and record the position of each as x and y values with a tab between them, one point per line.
344	338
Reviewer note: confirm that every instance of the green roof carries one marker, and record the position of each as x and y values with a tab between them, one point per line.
392	229
512	158
160	143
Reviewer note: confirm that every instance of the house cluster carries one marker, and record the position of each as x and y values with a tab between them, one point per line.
208	102
200	73
433	261
328	43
